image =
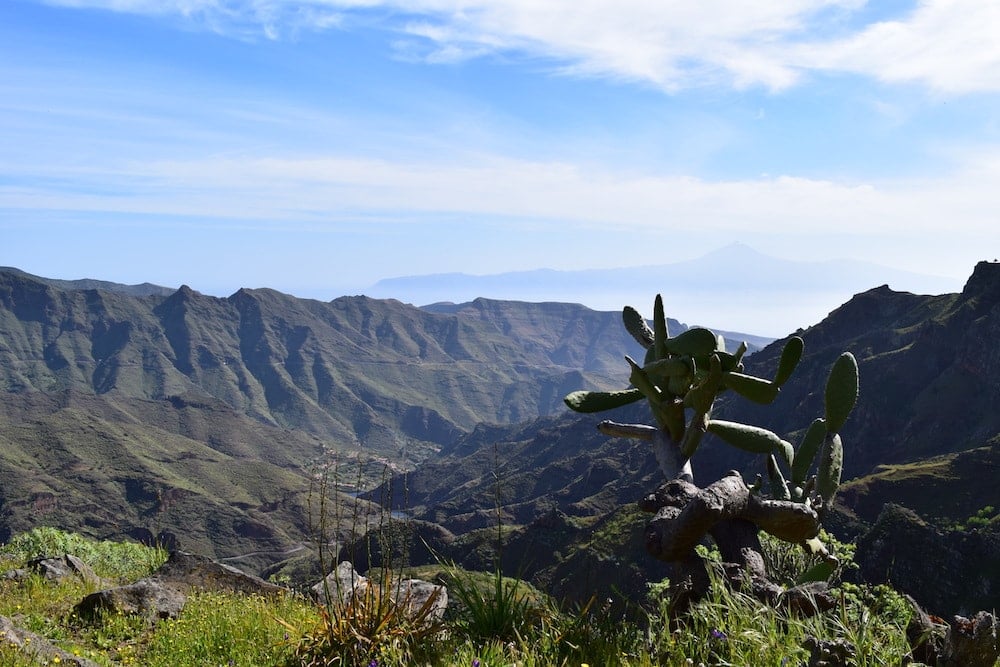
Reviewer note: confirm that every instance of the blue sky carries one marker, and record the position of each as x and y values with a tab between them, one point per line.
317	146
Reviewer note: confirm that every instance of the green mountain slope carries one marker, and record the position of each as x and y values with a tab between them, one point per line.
354	371
130	408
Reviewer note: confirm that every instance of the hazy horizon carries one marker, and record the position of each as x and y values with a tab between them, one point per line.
761	303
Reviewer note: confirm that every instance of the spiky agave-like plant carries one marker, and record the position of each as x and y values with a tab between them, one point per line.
681	377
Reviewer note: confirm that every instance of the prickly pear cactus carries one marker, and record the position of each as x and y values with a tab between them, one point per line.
681	377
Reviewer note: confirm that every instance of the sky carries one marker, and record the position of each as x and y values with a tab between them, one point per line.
317	146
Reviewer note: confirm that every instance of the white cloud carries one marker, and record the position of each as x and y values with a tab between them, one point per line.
333	188
950	46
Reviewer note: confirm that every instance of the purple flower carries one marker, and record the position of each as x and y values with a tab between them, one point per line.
373	663
475	662
718	634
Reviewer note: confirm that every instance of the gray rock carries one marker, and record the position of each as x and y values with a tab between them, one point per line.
63	567
150	598
961	642
339	585
37	647
972	642
186	571
164	593
420	600
830	653
417	594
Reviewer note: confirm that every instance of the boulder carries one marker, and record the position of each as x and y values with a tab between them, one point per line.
961	642
151	598
164	593
416	594
419	599
37	647
972	642
339	585
185	571
826	653
64	567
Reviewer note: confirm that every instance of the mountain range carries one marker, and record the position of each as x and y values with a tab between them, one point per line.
131	410
134	408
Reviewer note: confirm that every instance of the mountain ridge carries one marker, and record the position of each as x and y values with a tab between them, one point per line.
260	376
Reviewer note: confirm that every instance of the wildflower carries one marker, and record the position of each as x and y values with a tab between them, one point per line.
718	634
475	662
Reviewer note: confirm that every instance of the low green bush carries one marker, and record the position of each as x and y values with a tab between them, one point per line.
125	561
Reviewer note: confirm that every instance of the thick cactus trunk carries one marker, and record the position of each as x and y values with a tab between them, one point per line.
732	516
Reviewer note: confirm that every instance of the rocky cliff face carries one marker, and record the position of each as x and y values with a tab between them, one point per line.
355	371
928	364
135	409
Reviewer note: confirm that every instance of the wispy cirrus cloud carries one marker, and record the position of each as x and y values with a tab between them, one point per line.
948	46
550	193
248	19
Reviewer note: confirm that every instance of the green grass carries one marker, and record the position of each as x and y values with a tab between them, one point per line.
497	628
125	561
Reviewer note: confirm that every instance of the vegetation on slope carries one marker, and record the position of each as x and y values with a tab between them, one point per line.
725	628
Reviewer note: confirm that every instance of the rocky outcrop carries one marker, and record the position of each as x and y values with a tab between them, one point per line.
338	586
55	568
37	647
961	642
420	601
149	598
946	571
164	593
190	571
63	567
